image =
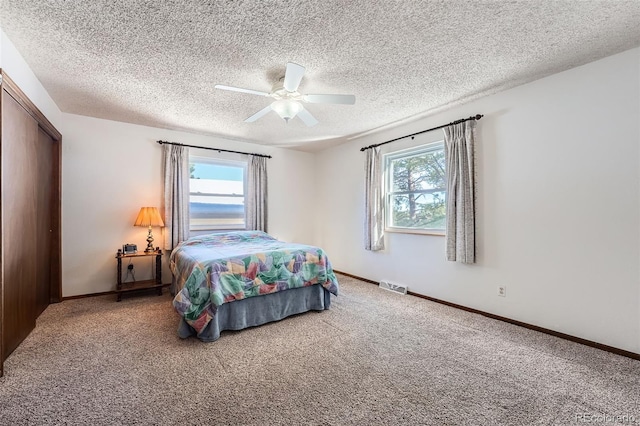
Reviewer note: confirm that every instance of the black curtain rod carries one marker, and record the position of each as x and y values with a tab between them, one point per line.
214	149
475	117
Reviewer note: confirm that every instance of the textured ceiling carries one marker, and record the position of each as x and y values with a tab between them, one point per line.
156	63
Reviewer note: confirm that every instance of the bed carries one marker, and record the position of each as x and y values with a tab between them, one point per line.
235	280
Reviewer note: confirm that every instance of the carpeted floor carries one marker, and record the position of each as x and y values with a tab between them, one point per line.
374	358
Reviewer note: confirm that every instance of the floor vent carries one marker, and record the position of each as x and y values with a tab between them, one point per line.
396	288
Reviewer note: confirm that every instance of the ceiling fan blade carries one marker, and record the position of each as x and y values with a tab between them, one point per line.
241	90
330	99
293	76
307	118
258	114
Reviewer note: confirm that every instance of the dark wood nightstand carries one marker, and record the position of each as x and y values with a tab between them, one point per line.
155	283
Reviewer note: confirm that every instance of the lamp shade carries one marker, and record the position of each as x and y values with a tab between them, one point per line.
287	109
149	216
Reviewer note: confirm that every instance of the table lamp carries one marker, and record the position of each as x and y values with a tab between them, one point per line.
149	216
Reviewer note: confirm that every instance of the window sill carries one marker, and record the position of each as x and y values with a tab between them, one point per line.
435	232
196	232
217	229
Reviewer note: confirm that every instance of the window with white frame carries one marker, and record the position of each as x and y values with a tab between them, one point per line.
216	194
415	189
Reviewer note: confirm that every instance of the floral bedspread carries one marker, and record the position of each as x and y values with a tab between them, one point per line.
219	268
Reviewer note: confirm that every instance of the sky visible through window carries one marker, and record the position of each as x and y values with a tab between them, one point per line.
217	172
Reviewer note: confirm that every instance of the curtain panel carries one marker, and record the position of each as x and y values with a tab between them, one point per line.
176	195
459	142
374	202
256	198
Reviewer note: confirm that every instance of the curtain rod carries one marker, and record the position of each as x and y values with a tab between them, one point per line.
214	149
475	117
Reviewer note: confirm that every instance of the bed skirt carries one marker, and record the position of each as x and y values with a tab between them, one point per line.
260	310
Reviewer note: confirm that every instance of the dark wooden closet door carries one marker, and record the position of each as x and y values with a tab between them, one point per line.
44	177
19	210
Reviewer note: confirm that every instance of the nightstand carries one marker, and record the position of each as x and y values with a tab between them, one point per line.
132	286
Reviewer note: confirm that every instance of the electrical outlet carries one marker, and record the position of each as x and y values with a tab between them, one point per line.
502	290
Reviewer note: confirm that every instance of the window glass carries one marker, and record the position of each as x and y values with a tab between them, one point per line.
216	194
416	188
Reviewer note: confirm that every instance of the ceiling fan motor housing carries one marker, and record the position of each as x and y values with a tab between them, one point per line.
279	92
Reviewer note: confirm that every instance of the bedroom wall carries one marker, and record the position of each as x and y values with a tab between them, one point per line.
15	66
558	207
111	169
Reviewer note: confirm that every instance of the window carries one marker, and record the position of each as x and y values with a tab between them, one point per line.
416	189
216	194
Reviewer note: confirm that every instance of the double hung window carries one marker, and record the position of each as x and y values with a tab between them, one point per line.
415	189
216	194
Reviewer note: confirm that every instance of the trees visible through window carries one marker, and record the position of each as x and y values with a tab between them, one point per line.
416	188
216	194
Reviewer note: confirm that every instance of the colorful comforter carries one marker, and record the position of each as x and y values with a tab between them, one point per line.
219	268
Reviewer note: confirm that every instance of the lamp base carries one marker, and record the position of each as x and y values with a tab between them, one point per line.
149	248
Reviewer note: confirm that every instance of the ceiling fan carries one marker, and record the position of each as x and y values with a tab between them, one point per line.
288	101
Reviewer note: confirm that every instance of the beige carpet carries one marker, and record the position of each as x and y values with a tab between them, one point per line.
374	358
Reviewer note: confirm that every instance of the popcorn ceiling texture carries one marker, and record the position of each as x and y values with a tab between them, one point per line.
156	63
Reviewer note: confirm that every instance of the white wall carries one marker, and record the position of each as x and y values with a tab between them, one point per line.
558	207
12	62
111	169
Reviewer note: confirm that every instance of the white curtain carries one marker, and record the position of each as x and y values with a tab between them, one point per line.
176	195
460	208
256	198
374	202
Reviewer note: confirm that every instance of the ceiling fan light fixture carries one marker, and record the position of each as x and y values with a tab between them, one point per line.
287	109
288	101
